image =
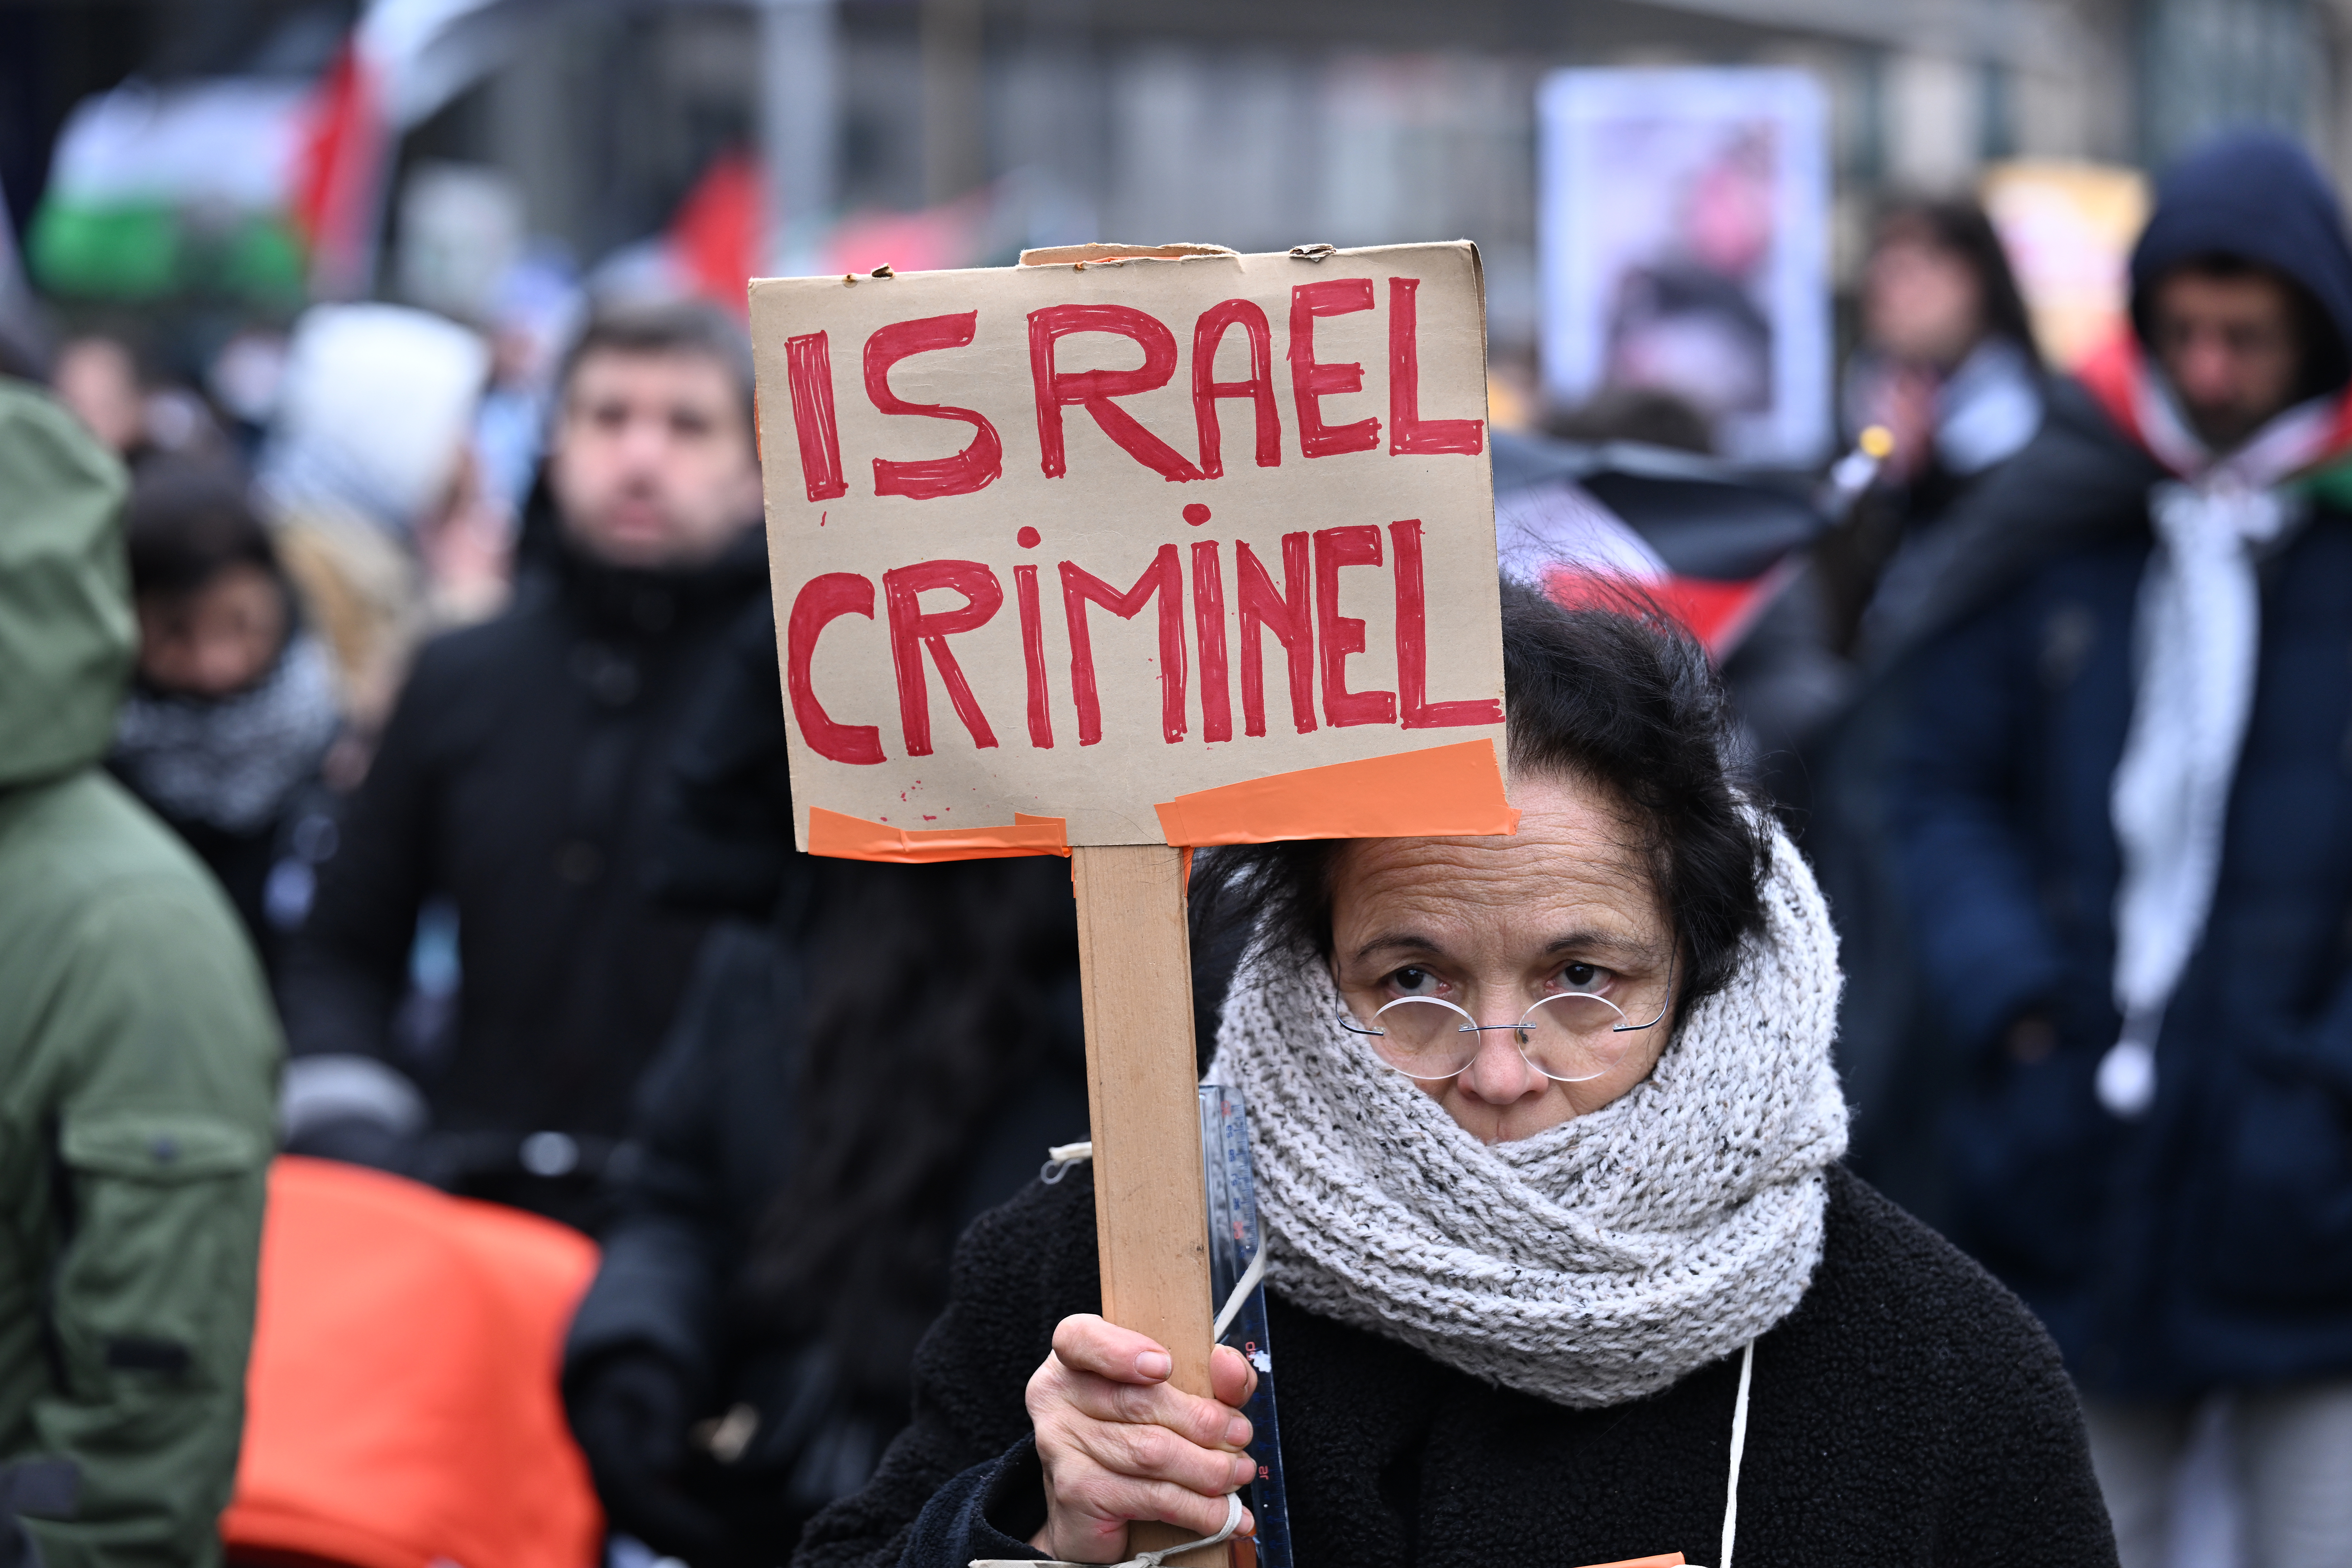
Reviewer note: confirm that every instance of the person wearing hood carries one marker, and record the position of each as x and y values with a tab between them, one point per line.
514	791
2121	813
137	1065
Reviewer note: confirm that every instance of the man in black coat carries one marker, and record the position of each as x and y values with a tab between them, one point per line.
2122	815
513	795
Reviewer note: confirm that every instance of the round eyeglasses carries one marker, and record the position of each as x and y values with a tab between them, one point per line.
1569	1038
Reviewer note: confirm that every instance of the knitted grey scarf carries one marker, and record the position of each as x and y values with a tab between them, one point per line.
1600	1260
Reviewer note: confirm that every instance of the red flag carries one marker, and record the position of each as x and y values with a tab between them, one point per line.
337	194
716	236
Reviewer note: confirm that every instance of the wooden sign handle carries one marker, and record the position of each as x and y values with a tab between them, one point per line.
1151	1209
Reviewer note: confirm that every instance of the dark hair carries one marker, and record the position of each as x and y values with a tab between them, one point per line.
186	524
1961	228
686	327
1616	696
933	993
2325	362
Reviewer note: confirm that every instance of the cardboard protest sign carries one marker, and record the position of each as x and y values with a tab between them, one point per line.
1074	539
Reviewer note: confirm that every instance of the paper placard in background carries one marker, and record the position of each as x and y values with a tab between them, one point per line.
1072	540
1683	219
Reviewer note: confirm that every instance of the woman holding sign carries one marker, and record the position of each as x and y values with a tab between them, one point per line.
1563	1267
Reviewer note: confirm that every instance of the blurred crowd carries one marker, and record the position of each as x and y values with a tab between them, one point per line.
393	775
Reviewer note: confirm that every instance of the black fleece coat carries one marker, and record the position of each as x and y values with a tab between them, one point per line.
1908	1412
516	780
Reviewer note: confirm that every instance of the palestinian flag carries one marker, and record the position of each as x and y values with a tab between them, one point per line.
158	191
1620	525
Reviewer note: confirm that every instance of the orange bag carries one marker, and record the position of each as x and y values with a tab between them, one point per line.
401	1406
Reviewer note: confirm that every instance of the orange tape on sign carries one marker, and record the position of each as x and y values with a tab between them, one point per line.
855	839
1665	1560
1442	792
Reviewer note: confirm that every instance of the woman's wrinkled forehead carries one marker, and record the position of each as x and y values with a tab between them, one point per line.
1576	850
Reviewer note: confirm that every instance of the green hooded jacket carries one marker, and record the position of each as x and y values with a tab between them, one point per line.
138	1067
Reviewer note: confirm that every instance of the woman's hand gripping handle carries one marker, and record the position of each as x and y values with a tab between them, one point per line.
1121	1444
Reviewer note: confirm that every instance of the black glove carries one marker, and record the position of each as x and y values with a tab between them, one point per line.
629	1411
